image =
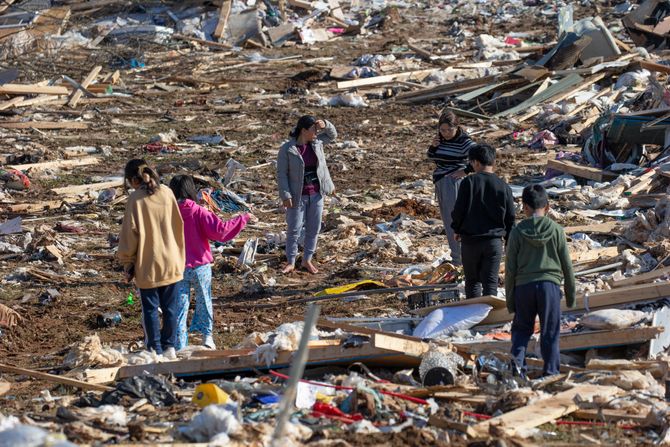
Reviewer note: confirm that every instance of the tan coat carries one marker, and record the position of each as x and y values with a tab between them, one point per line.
152	238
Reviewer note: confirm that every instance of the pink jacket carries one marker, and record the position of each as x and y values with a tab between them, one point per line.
202	226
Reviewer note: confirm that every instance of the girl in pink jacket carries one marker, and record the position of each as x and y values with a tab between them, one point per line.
200	227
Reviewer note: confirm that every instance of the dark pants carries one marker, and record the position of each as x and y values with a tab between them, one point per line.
481	265
541	298
167	298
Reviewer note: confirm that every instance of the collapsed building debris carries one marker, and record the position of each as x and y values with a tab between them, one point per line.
574	98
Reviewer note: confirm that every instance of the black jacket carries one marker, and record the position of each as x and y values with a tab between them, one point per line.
484	208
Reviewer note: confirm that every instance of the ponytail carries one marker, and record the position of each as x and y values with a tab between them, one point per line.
138	170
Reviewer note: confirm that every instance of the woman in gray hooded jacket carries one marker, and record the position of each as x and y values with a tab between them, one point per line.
303	180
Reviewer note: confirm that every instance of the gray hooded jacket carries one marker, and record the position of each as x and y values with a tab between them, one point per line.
291	167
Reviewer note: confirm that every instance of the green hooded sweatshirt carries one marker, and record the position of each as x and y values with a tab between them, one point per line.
538	251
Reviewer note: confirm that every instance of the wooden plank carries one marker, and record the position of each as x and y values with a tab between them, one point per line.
653	66
223	46
593	254
43	125
589	103
53	378
93	4
27	89
6	4
640	278
561	96
240	352
320	356
100	376
575	169
643	184
40	99
598	300
494	301
4	387
544	410
27	208
607	415
657	368
574	342
224	14
376	80
390	342
605	227
11	103
81	189
556	89
76	96
58	164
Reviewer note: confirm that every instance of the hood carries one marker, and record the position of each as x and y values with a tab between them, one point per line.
187	207
537	230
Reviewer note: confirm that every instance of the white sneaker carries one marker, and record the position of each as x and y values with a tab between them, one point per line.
209	342
170	354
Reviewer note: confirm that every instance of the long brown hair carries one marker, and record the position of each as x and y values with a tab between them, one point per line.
137	169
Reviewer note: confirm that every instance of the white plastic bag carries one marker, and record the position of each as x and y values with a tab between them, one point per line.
612	318
447	320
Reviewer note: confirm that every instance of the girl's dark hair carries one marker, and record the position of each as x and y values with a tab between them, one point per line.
183	187
305	122
137	169
449	118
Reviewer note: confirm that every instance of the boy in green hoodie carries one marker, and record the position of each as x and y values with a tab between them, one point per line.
536	263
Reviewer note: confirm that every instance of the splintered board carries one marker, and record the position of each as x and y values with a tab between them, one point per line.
587	172
329	355
544	410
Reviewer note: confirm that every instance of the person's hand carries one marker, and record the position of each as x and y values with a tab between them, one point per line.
320	125
288	203
436	142
458	174
129	273
457	237
252	218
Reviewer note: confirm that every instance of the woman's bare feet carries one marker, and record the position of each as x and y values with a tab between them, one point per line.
310	267
288	268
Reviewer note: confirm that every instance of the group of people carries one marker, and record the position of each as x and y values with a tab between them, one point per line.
478	212
165	236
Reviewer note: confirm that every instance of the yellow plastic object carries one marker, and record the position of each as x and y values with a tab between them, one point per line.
365	284
207	394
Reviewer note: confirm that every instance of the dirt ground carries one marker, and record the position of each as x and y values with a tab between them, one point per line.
392	139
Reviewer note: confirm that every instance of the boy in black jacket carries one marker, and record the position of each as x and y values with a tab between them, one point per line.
482	217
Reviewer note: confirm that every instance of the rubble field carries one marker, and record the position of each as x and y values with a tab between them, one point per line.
572	96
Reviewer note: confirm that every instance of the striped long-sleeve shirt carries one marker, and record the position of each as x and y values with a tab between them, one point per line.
451	155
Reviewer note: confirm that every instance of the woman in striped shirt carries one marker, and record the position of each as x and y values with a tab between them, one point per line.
449	150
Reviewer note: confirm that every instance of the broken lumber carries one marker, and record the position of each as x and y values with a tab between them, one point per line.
493	301
577	170
224	14
43	125
84	161
76	96
376	80
605	227
543	410
641	278
593	254
28	89
81	189
329	355
26	208
607	415
643	183
53	378
598	300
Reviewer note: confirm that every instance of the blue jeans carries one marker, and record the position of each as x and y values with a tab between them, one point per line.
541	298
307	212
200	278
159	338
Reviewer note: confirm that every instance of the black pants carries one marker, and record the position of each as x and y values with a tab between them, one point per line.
481	265
541	298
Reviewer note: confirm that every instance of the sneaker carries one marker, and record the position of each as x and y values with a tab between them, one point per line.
209	342
170	354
